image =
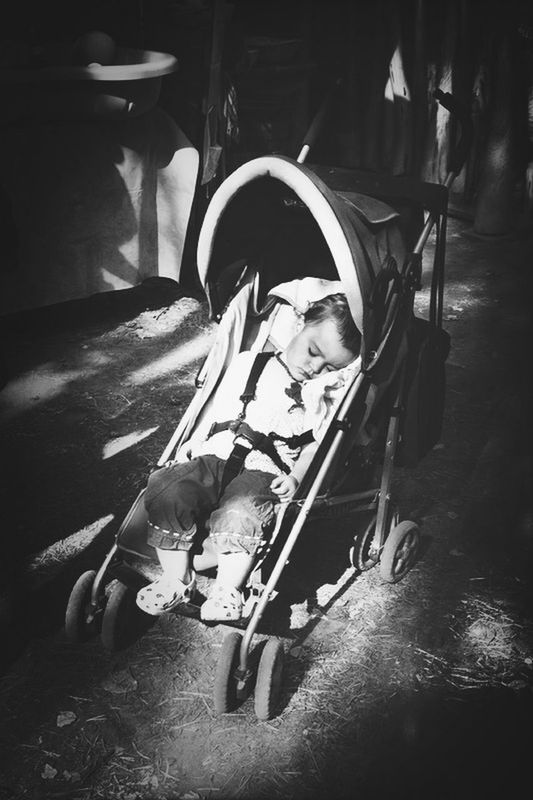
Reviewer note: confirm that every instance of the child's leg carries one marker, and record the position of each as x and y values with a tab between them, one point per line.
207	558
238	528
234	568
175	497
175	564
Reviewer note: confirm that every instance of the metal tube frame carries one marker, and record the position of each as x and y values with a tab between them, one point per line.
383	518
306	506
285	553
96	589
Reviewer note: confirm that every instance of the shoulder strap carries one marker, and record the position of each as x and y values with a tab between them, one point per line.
258	366
259	363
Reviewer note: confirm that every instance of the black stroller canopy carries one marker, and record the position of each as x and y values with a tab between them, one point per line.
277	216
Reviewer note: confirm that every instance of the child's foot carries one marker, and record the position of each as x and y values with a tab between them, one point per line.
164	594
224	604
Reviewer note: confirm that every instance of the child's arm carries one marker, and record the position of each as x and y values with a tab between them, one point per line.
285	485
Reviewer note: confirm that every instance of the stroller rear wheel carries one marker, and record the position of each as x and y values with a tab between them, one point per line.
268	682
225	691
81	618
123	619
399	551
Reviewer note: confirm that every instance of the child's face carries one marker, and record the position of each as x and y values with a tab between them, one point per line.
315	350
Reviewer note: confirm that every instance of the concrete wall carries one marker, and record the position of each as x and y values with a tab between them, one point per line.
95	206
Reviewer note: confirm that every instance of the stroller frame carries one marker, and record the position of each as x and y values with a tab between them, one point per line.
386	540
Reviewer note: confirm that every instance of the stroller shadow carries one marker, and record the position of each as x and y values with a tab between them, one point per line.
320	557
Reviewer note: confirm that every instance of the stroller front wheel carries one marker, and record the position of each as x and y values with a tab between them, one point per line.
399	551
123	619
81	617
268	682
225	695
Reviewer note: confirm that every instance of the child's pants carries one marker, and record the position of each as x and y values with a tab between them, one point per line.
179	494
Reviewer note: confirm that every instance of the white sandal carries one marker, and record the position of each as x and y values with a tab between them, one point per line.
164	594
224	604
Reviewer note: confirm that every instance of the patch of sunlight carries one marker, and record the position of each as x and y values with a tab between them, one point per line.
179	358
62	551
113	280
335	640
397	85
170	319
36	387
443	115
489	632
97	359
498	153
123	442
328	590
361	597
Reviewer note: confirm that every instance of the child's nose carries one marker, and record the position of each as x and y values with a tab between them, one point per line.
317	365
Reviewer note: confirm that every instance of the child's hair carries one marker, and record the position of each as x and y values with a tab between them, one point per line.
335	307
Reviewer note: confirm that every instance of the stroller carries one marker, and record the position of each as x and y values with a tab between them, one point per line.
277	235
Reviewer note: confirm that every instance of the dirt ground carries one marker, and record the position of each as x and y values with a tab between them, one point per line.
420	689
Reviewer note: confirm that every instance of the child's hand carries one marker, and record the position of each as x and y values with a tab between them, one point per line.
284	486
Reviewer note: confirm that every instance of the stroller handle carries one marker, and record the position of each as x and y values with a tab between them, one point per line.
460	149
318	121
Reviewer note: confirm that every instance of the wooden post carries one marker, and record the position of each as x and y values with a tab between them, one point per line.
495	210
212	145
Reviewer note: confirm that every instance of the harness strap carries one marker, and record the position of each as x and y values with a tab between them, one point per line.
258	366
241	428
248	439
297	440
234	464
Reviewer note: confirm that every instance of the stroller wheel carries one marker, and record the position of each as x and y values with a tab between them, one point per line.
399	551
225	694
361	555
123	620
81	620
268	682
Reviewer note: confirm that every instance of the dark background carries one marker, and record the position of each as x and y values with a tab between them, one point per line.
482	51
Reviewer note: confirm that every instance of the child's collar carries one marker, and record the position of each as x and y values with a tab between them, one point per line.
294	391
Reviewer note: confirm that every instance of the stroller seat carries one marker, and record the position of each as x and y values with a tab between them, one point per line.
274	329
